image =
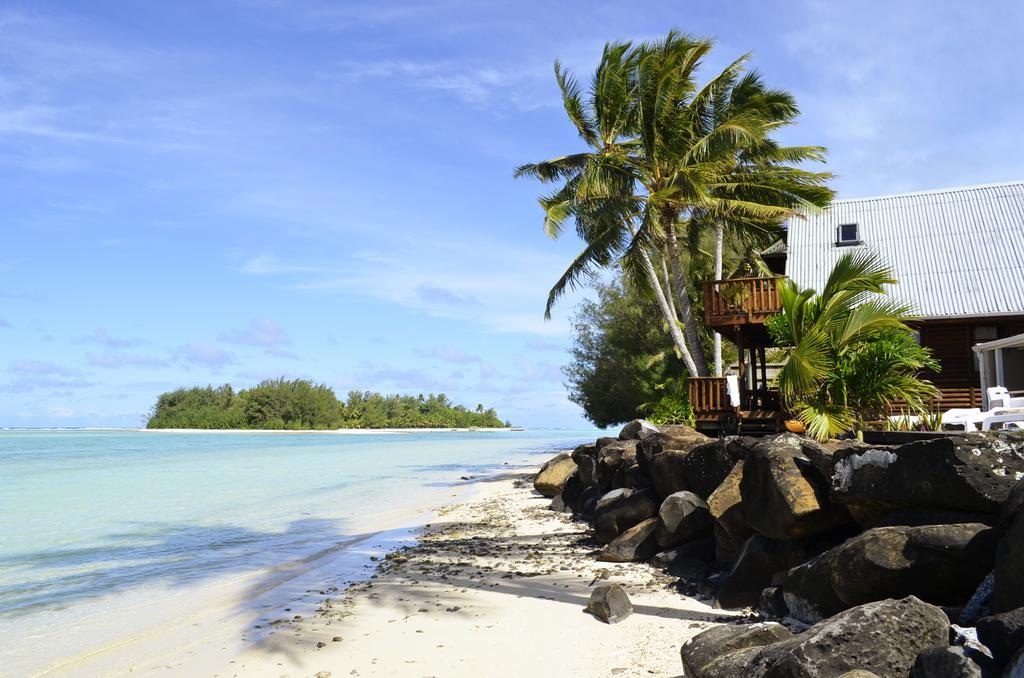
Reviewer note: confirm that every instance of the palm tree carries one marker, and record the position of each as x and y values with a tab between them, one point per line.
660	150
852	355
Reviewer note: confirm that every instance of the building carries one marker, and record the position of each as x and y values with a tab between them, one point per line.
958	254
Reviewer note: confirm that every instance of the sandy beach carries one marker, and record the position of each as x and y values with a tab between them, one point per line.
496	587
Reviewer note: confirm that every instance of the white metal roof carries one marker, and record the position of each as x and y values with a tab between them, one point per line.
955	251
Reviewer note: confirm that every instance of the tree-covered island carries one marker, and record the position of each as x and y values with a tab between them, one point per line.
299	404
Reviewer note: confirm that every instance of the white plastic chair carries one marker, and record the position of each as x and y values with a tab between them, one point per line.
998	396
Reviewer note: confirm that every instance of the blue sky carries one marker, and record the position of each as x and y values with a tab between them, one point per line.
209	192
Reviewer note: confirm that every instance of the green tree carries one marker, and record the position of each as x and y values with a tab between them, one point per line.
621	354
660	148
852	354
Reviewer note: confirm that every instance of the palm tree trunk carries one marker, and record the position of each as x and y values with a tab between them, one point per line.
684	306
719	242
670	317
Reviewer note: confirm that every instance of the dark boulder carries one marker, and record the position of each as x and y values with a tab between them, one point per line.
682	516
706	466
1003	633
884	637
610	459
572	491
629	475
980	602
609	603
552	475
772	603
726	507
585	457
807	590
667	472
673	437
944	661
783	495
605	440
1009	586
941	564
638	429
916	517
758	561
973	472
716	643
635	544
621	509
1015	669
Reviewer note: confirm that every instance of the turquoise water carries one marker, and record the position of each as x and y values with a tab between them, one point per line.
85	514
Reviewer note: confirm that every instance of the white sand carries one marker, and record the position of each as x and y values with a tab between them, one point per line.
496	587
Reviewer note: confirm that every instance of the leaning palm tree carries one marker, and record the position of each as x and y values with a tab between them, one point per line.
853	356
762	171
657	154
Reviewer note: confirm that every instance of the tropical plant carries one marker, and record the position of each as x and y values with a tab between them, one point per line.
853	356
661	149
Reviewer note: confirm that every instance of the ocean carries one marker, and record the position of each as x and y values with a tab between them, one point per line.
92	522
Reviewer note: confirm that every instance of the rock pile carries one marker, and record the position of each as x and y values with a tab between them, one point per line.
905	560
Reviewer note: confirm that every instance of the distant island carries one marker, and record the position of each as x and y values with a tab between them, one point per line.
301	405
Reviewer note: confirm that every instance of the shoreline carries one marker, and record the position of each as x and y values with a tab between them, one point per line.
274	431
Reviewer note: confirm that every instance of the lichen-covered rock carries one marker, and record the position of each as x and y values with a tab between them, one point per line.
638	429
970	472
884	637
1003	633
552	475
621	509
609	603
944	662
682	516
673	437
783	496
712	645
726	507
942	564
635	544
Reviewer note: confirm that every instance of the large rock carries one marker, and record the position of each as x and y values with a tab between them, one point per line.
673	437
1003	633
942	564
552	475
636	543
585	457
667	472
621	509
726	507
1009	586
572	491
760	559
884	637
808	593
944	662
970	472
609	603
638	429
711	646
682	516
611	459
707	465
783	495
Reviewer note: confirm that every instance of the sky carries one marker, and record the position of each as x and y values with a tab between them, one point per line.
226	191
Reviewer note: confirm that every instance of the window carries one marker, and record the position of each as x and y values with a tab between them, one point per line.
847	234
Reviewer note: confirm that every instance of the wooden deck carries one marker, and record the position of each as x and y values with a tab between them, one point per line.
758	413
740	301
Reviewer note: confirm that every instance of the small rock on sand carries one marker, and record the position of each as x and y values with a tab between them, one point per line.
609	603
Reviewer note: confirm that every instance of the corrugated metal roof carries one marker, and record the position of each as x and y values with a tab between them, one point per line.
955	251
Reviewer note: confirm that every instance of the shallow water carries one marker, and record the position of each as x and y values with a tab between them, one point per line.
87	514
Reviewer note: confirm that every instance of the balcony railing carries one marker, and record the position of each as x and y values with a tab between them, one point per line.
708	397
740	300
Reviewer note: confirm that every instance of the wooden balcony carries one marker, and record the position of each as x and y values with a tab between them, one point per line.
713	413
740	301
